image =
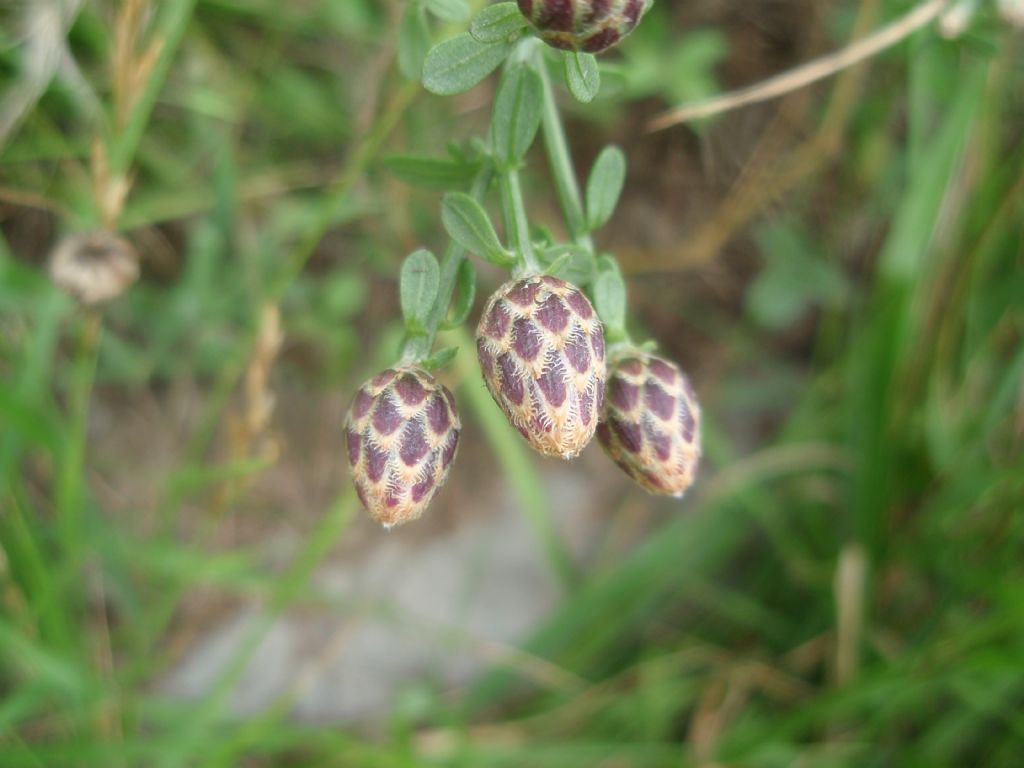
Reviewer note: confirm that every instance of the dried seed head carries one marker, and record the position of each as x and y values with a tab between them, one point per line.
583	25
402	432
650	425
541	349
94	267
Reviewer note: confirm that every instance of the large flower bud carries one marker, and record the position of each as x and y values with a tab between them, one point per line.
541	349
650	425
402	432
583	25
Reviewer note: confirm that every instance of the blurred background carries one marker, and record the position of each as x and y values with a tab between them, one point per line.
185	578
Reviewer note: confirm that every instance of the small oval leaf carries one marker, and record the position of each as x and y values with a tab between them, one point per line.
467	224
431	172
495	23
458	64
582	75
610	302
418	289
573	263
440	359
465	280
518	105
604	187
413	41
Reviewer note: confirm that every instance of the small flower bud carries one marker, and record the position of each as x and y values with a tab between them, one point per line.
541	349
94	267
650	425
583	25
402	432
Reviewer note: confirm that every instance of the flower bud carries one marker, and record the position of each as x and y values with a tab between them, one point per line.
541	349
583	25
650	425
402	432
94	267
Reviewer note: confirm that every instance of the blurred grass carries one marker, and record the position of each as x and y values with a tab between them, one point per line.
732	635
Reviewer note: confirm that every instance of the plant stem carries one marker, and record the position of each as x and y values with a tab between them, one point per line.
560	160
516	463
418	347
70	490
517	224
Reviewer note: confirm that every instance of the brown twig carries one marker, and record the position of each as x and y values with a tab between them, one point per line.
771	178
812	72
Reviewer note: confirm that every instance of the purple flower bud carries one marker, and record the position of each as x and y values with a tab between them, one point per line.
541	349
583	25
650	425
402	432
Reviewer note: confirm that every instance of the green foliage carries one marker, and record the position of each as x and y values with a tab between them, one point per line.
798	276
467	223
419	288
460	63
441	358
431	172
517	112
610	298
497	23
582	75
573	263
604	186
465	296
413	40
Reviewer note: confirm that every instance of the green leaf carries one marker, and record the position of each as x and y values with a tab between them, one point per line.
468	225
420	283
517	111
797	277
466	282
458	64
610	301
582	75
605	186
495	23
413	40
569	262
440	359
449	10
431	172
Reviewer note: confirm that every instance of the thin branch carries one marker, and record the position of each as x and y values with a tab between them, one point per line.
813	71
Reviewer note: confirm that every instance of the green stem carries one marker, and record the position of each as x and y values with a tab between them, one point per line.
517	224
560	160
516	463
419	347
70	490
